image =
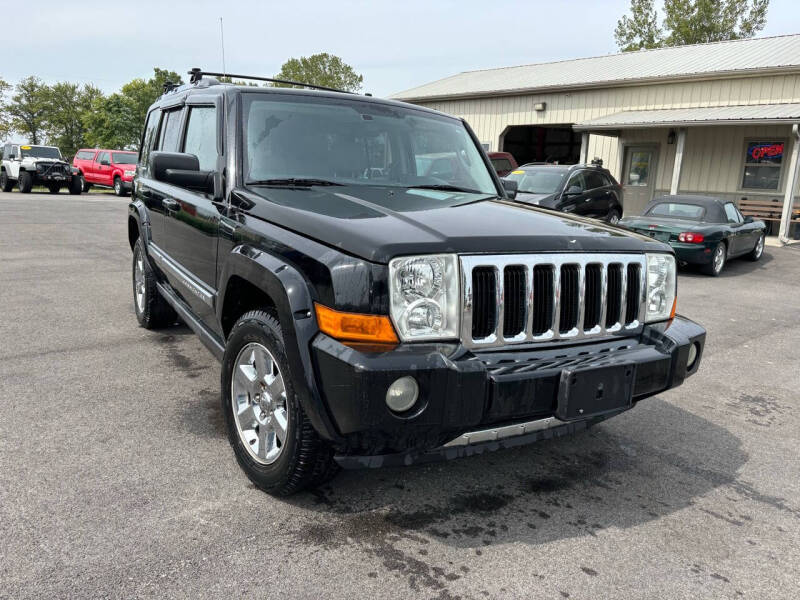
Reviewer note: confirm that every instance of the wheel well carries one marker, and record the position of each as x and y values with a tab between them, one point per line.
133	231
242	296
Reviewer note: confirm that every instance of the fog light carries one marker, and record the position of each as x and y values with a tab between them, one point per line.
402	394
692	358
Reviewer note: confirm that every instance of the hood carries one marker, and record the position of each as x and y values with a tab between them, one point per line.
536	199
379	223
32	160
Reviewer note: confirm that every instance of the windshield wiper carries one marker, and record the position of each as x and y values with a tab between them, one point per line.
445	188
292	182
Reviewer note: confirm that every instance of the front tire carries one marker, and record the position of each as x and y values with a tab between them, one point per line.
718	259
75	186
25	182
5	183
86	186
152	311
758	250
613	217
273	440
118	189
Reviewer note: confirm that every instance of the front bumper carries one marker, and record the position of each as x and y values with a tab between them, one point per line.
50	177
471	402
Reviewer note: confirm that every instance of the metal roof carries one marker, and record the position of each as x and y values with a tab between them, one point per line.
715	59
683	117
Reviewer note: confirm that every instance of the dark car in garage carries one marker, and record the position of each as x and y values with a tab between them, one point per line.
586	190
702	230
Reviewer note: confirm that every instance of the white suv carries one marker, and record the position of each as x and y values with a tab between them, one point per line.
36	165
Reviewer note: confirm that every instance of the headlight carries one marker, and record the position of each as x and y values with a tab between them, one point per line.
661	286
424	303
130	173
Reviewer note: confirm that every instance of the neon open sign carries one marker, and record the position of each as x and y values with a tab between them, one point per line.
760	151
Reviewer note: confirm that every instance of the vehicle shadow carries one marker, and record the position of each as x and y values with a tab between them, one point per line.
643	465
733	268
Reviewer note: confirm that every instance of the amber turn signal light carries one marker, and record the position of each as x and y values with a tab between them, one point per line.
354	326
674	308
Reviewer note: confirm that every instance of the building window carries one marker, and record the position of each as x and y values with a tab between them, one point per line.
763	162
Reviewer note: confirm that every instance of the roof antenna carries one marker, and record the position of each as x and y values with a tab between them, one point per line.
222	44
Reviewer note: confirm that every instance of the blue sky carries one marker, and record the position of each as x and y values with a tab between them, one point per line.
395	45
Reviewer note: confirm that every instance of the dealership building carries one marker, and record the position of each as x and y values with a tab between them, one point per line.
718	118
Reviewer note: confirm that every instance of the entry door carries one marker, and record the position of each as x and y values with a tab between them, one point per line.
639	177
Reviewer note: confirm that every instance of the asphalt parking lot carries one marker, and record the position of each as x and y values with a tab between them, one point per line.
117	481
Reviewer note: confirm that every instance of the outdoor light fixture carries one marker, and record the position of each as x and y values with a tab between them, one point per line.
671	136
540	106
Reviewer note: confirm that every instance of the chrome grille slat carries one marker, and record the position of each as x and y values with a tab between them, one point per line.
530	275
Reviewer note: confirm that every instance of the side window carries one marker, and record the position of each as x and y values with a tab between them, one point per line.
594	180
577	181
732	213
150	129
103	156
201	136
170	131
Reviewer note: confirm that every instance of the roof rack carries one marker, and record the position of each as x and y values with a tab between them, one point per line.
196	75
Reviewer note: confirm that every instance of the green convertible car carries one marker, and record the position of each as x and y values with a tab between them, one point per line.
703	230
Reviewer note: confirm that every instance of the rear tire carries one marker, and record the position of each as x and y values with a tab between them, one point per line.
152	311
25	182
758	251
259	402
5	183
86	186
719	257
53	188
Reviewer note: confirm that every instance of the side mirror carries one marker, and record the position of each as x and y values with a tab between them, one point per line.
182	170
104	162
573	190
12	157
748	219
511	187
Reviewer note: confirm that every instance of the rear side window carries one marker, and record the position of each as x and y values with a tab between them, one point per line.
149	136
732	213
85	155
201	136
170	131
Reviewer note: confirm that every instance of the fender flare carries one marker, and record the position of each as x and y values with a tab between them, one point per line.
137	212
291	293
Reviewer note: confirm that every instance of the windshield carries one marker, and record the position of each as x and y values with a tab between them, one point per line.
358	143
40	152
538	181
677	210
124	158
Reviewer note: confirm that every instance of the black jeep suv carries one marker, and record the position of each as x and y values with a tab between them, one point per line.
585	190
368	311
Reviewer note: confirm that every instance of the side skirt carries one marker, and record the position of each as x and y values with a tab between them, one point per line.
210	340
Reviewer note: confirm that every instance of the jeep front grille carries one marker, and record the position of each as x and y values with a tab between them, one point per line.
511	299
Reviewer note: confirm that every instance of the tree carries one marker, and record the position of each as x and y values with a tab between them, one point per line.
321	69
67	105
689	22
28	108
5	120
117	121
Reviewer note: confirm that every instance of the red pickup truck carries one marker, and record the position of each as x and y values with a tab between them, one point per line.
106	168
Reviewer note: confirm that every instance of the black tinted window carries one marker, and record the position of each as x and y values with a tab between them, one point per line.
594	180
149	136
170	131
201	136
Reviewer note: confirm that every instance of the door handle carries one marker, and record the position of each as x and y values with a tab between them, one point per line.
170	204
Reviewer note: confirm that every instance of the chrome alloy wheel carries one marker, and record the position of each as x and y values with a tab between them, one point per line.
138	282
760	246
117	186
719	258
258	399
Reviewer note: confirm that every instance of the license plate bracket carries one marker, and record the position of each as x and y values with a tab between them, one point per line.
595	390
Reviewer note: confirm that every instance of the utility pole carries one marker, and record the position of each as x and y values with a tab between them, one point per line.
222	43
